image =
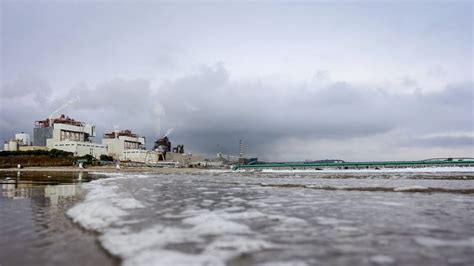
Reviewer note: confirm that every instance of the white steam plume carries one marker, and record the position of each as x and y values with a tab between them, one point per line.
71	101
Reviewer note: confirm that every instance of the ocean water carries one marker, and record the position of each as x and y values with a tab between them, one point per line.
391	217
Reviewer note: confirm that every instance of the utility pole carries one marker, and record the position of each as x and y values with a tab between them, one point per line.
241	154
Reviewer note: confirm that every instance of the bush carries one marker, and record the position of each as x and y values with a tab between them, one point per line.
89	158
51	153
59	153
106	158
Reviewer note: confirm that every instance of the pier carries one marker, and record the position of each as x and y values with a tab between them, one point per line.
442	162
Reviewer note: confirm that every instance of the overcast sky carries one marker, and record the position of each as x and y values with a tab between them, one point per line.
350	80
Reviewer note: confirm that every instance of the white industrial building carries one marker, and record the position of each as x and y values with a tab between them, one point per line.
67	134
81	148
23	138
11	145
141	156
127	146
120	142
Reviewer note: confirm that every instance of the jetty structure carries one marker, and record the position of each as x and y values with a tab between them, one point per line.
339	164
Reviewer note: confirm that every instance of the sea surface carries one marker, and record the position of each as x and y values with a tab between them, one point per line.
385	217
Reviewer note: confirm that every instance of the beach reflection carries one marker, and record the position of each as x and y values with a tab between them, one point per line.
35	229
57	192
19	185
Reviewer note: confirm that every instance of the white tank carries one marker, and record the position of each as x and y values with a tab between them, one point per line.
13	145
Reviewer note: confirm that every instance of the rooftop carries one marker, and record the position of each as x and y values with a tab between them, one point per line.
116	134
61	120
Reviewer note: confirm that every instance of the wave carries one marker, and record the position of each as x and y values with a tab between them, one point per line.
102	206
108	209
225	219
376	188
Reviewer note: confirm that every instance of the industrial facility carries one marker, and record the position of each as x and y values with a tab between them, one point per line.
18	143
119	141
125	145
67	134
176	154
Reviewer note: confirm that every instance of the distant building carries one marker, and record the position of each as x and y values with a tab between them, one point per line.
23	139
53	130
81	148
142	156
11	145
183	158
120	141
67	134
163	145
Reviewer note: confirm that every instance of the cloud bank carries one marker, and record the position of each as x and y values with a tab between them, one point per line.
210	112
295	81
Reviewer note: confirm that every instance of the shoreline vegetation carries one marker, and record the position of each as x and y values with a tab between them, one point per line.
58	160
35	158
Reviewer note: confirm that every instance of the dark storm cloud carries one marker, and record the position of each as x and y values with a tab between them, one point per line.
300	79
210	112
21	100
126	104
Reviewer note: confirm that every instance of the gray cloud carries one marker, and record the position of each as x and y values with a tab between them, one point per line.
26	85
445	141
210	112
300	80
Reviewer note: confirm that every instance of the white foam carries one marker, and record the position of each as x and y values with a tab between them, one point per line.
230	246
149	246
207	203
284	263
218	171
212	223
245	215
164	257
410	188
347	229
331	221
216	253
391	204
434	242
102	206
127	244
381	259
